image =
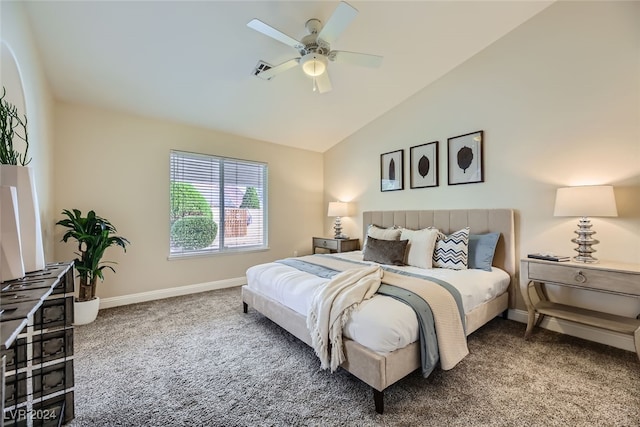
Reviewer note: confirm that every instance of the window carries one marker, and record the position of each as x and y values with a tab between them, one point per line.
218	205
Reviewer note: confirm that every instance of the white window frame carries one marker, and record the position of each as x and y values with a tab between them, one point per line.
221	247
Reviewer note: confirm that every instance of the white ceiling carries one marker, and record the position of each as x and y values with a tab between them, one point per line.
192	61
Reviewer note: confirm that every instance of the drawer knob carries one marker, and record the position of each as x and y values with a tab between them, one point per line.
579	277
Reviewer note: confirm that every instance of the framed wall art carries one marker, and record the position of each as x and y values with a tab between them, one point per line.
392	171
465	158
423	165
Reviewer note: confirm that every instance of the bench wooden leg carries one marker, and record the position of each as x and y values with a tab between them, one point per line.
245	307
378	399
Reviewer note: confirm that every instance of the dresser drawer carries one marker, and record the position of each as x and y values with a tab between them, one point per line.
16	355
53	412
52	345
54	313
52	379
326	243
15	389
584	277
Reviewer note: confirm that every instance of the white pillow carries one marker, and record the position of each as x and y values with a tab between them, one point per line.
420	247
383	233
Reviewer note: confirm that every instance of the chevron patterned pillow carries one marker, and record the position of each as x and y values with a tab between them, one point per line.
452	251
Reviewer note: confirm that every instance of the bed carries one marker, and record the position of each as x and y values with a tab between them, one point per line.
382	367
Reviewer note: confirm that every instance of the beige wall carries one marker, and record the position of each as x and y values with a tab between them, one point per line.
118	165
559	101
38	103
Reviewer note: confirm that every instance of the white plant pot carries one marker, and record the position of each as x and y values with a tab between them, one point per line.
85	311
22	178
11	265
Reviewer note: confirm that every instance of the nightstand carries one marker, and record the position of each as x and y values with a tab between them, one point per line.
335	245
614	278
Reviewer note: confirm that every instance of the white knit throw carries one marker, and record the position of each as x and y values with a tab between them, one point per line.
330	309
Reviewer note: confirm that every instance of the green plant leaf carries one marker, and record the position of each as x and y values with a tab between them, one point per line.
93	235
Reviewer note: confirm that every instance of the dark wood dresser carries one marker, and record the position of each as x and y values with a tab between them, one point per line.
36	325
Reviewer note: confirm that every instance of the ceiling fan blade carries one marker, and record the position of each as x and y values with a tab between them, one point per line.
323	82
338	22
273	71
354	58
268	30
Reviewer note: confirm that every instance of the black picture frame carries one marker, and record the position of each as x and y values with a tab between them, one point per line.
423	165
392	171
466	158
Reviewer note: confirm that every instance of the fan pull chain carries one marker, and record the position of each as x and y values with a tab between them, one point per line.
314	76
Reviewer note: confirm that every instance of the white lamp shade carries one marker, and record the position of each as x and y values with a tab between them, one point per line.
586	201
313	64
338	209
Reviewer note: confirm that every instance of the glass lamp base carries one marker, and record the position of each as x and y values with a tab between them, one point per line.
585	242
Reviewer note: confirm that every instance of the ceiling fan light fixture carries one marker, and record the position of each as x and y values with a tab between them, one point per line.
313	64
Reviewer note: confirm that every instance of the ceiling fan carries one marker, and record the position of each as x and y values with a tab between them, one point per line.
315	48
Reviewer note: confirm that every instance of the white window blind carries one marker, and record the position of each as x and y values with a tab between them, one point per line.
218	204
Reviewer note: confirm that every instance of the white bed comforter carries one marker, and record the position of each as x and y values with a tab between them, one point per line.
381	323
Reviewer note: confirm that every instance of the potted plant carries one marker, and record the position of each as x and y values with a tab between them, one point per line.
14	172
12	126
93	235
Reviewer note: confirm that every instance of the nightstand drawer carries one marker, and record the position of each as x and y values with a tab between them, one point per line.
325	243
602	280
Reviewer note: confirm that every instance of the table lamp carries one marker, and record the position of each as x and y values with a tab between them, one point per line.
584	202
338	209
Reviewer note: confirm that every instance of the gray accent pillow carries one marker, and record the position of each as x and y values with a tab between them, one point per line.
482	247
385	251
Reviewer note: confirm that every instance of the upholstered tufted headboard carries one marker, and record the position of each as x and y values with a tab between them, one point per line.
479	221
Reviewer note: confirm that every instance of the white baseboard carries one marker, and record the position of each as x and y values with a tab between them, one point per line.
170	292
601	336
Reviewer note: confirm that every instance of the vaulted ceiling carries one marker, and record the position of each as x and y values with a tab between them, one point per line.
193	61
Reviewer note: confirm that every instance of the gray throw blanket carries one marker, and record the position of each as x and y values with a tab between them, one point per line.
437	304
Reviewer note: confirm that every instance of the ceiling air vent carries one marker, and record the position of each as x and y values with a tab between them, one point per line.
262	66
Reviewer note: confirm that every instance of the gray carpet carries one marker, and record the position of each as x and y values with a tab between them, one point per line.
198	360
